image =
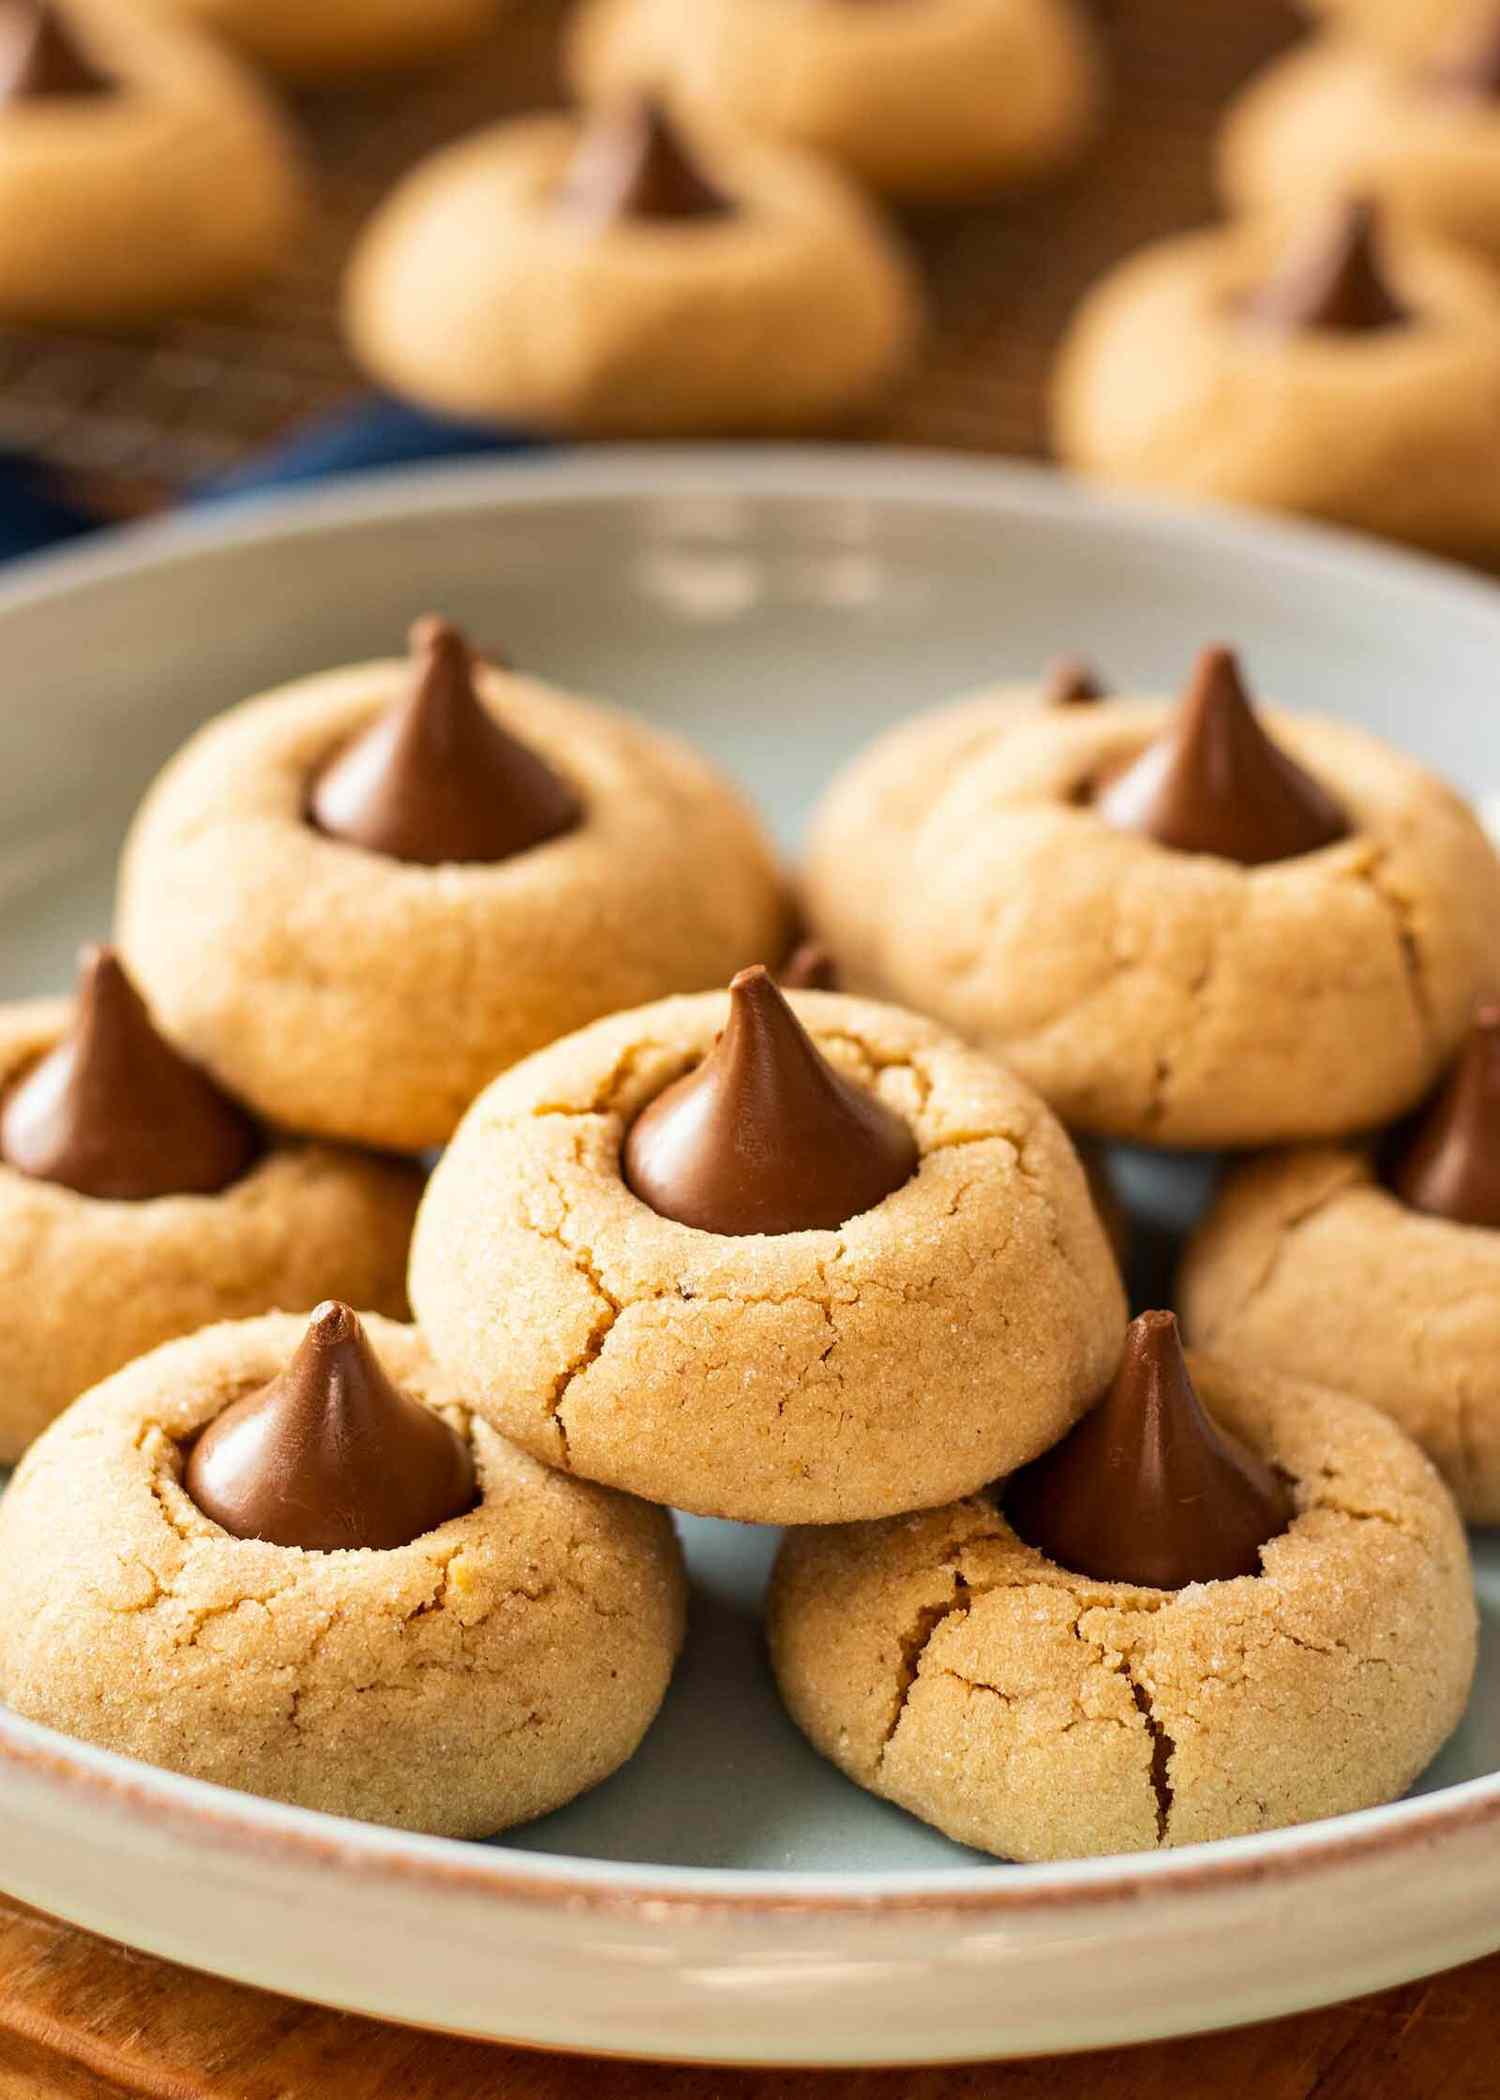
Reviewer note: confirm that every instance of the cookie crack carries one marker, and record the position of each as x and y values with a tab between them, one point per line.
914	1645
1163	1750
1372	874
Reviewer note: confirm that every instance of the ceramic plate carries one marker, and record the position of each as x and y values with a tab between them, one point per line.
727	1897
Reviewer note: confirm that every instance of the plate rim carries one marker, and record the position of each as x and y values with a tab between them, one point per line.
203	1813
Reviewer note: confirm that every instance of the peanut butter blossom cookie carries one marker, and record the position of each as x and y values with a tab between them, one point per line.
286	1557
1175	922
358	899
138	1202
1338	372
1226	1602
1418	129
718	1255
140	170
922	98
336	37
601	275
1376	1268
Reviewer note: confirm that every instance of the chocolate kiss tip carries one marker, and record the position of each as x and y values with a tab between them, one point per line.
1147	1489
631	163
40	58
765	1136
436	780
809	968
1072	682
1337	283
1447	1164
331	1456
1215	783
114	1112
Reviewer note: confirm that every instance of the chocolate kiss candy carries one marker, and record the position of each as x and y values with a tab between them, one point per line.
1147	1489
39	58
114	1112
436	779
631	164
1071	682
1336	284
1215	783
765	1136
809	968
330	1456
1449	1166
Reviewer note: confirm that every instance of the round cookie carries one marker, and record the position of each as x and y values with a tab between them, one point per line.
369	994
88	1282
596	279
1040	1713
141	170
1336	119
502	1662
1376	1267
345	36
923	99
1180	997
1190	368
776	1376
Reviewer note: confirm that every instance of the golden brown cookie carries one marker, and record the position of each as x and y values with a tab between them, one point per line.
355	993
935	100
774	1376
1180	373
1336	118
1320	1258
141	171
1039	1714
87	1284
477	1677
502	280
1173	996
336	37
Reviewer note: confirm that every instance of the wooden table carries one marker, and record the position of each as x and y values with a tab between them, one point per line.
83	2020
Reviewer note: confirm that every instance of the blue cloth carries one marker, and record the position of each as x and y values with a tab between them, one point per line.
370	434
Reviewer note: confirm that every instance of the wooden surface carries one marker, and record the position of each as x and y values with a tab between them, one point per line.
143	420
82	2020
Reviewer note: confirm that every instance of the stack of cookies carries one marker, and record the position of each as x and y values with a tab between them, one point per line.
785	1254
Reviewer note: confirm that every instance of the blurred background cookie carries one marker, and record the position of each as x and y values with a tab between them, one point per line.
141	169
931	99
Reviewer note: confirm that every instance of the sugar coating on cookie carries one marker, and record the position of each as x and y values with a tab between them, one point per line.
942	1663
355	994
1336	118
1165	996
480	290
477	1677
948	1333
938	100
87	1283
1338	1263
345	36
173	184
1170	378
888	790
